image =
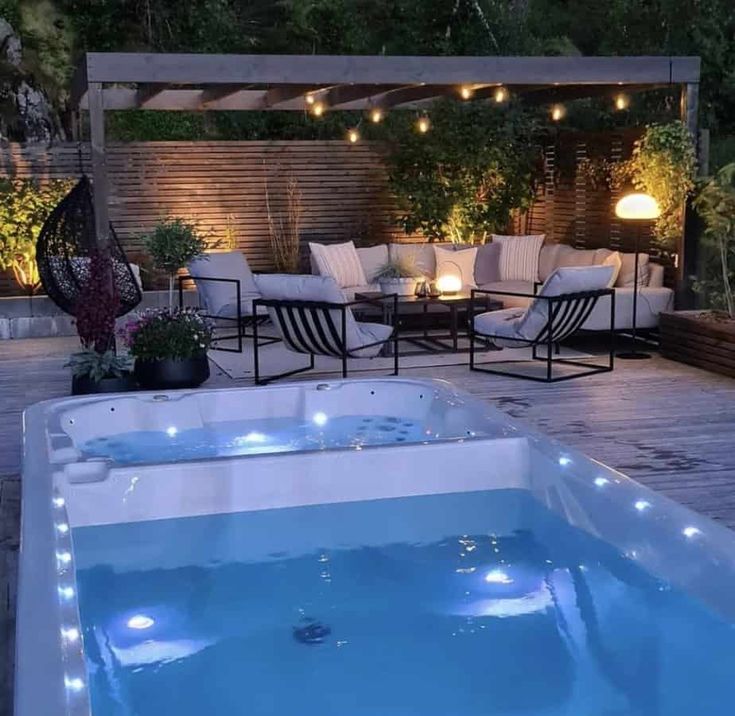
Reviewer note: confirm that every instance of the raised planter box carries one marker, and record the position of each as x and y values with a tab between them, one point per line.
689	338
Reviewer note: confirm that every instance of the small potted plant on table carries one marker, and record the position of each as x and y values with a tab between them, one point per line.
169	347
398	276
97	368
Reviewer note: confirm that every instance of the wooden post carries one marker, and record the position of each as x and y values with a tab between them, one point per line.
688	249
99	164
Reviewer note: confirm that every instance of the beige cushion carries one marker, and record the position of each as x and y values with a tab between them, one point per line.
420	255
557	256
340	261
655	275
456	263
519	257
373	258
616	262
513	287
627	270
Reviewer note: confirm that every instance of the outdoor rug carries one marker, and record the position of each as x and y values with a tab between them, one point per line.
275	358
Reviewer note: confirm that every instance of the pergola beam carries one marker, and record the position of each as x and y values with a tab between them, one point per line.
342	95
147	92
286	93
215	93
201	69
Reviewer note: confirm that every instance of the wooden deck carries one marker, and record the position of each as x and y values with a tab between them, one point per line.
667	425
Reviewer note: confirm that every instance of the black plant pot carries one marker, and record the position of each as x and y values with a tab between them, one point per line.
84	385
172	373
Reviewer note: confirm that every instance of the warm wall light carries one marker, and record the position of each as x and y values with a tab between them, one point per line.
558	112
353	136
423	125
501	94
465	92
317	108
637	207
622	101
449	284
376	115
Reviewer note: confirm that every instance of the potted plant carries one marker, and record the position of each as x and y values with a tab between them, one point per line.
171	245
398	276
707	338
169	347
97	368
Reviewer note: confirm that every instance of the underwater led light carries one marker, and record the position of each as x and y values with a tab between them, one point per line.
74	684
62	528
63	557
642	505
498	576
66	592
70	634
254	437
563	461
320	418
171	432
601	481
58	501
690	532
140	621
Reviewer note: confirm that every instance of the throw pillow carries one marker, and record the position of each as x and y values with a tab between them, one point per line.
616	262
519	256
373	258
341	262
627	270
456	263
487	264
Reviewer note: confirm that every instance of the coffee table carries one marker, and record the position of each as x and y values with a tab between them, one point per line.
458	305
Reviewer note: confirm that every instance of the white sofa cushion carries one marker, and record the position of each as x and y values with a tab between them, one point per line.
323	289
421	255
519	256
219	298
513	287
651	302
372	258
456	263
340	261
556	256
626	277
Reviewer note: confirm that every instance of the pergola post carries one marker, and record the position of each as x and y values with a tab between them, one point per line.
99	164
688	265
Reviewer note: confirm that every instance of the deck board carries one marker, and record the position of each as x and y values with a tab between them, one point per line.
667	425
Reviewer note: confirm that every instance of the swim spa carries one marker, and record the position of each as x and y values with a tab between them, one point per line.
300	558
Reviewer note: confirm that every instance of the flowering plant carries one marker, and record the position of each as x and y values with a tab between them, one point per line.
158	334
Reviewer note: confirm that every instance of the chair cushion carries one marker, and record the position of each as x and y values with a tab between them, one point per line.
499	323
562	281
371	333
372	259
519	256
340	261
229	310
225	264
456	263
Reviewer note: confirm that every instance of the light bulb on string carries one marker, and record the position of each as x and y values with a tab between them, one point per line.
466	92
353	135
501	94
558	112
423	124
622	102
376	115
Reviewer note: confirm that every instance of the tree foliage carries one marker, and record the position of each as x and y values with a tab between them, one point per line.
463	178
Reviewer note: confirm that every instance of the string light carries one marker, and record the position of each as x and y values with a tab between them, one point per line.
423	124
558	112
376	115
465	92
353	135
622	102
317	108
501	94
309	99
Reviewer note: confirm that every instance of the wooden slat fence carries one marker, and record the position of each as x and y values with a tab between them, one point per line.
221	186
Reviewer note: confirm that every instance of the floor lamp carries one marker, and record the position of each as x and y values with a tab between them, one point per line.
636	208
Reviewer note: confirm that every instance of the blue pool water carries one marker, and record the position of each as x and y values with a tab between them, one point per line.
263	436
516	613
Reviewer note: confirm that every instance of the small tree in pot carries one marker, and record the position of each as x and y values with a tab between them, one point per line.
169	347
97	368
172	244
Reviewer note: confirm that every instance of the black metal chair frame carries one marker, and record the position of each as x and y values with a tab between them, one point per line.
331	344
242	322
571	310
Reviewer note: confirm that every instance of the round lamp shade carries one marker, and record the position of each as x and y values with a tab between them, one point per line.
637	207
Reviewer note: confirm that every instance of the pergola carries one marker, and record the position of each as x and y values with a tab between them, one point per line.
201	82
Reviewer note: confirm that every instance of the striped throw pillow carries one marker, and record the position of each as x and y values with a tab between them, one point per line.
519	256
341	262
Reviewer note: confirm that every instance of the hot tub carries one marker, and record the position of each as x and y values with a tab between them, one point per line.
356	548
